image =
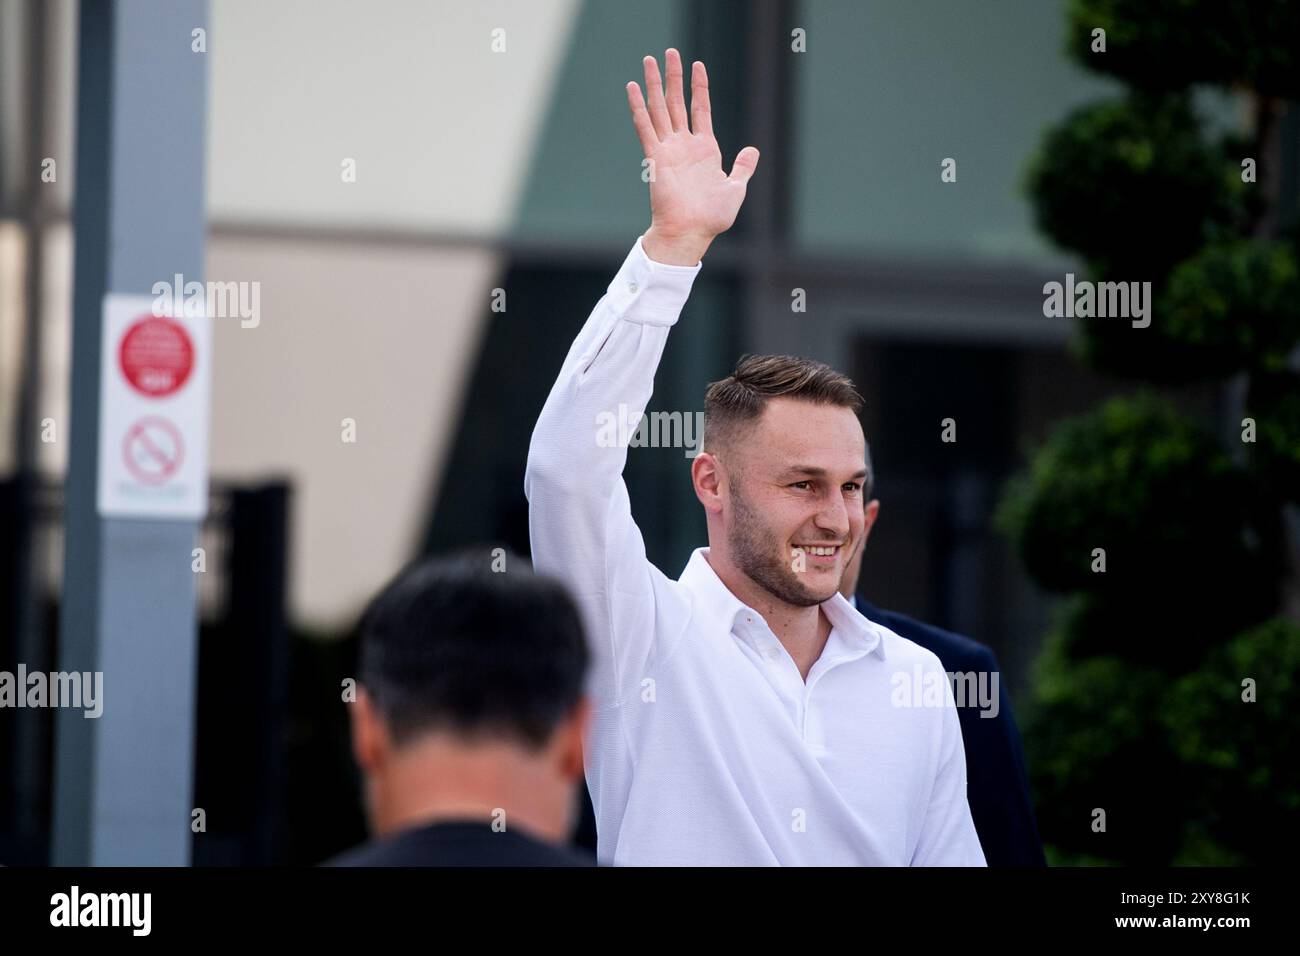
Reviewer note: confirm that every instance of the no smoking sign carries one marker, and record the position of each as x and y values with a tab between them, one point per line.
153	435
153	450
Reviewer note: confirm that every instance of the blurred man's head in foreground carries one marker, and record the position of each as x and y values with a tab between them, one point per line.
470	703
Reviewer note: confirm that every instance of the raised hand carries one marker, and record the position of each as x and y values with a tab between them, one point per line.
691	199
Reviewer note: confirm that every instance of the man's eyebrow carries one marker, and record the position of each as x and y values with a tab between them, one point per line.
814	472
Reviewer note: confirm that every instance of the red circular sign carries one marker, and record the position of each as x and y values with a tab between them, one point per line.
153	450
156	356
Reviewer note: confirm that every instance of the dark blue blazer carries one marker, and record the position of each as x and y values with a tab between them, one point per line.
997	784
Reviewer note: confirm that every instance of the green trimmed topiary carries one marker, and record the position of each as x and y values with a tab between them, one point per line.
1274	404
1125	478
1172	44
1136	707
1097	743
1236	304
1128	184
1243	754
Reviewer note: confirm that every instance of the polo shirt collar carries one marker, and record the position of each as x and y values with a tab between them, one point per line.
720	604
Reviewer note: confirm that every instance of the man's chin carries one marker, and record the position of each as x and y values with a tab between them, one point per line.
813	593
805	588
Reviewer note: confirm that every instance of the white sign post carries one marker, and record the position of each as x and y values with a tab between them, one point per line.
154	387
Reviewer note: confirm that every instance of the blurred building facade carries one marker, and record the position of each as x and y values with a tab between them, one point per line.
492	151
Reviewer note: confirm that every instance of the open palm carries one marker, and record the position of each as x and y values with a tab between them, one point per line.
691	198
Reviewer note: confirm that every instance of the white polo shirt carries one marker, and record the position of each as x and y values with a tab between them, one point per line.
707	746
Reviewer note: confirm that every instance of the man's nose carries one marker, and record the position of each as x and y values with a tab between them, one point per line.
835	518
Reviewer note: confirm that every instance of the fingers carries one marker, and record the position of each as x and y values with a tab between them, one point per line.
701	113
744	166
666	115
654	91
676	97
645	130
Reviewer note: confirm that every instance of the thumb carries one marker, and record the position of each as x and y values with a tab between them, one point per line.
744	166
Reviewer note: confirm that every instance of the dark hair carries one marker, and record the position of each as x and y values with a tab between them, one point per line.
453	645
737	401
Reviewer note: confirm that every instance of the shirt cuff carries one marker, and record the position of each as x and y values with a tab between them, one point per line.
650	292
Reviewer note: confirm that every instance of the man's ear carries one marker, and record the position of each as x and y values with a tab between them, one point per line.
706	478
572	733
370	742
870	513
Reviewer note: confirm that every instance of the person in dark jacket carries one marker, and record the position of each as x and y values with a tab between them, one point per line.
469	717
997	783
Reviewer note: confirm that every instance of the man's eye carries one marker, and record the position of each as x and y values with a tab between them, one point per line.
853	486
797	484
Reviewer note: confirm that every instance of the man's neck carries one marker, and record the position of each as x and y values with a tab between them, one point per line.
433	781
802	630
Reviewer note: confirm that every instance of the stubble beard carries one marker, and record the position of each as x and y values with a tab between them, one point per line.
758	555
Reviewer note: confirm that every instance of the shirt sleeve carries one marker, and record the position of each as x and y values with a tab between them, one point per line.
948	836
579	516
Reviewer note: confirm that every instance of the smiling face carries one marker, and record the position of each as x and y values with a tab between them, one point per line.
792	499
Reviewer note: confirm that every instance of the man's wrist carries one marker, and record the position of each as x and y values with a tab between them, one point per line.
675	250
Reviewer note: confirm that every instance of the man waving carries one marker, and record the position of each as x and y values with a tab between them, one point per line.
744	714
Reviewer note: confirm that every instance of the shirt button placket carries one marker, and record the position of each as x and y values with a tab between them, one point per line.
812	728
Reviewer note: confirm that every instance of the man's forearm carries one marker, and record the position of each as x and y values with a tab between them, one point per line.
607	377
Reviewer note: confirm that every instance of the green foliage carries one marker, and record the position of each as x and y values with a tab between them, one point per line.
1274	403
1129	185
1137	706
1236	304
1097	743
1242	755
1157	493
1105	733
1167	630
1172	44
1233	306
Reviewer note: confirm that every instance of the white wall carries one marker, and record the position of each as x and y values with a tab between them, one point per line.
443	131
439	125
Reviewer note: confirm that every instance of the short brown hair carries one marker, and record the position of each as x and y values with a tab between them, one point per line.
737	401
